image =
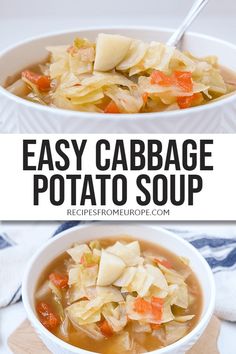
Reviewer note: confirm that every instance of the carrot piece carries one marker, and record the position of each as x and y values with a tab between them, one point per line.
163	262
189	101
197	98
59	280
43	309
158	77
50	322
157	307
105	328
46	316
142	306
42	81
111	108
145	97
184	102
157	301
184	80
155	326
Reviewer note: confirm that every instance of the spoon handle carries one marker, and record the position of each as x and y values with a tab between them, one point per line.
193	13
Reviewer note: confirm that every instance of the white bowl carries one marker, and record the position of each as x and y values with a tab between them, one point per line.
59	244
22	116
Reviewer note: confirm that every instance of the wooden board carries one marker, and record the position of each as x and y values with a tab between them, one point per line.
25	340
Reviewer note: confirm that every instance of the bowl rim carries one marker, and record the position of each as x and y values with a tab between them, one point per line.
120	116
201	325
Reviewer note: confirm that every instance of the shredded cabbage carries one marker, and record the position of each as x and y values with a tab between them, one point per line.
125	77
122	292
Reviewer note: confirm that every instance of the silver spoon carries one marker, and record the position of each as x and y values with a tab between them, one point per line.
193	13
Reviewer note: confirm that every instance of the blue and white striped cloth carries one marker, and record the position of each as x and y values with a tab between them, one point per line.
18	241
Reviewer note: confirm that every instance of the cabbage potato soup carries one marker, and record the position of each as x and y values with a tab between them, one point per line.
118	74
118	295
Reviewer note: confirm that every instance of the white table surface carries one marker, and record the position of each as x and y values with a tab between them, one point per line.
14	27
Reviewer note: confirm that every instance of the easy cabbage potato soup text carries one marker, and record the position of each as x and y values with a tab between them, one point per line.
118	74
119	295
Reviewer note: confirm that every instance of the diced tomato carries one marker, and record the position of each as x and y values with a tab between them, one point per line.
42	81
105	328
111	108
59	280
184	80
157	307
158	77
189	101
163	262
155	326
145	97
142	306
46	316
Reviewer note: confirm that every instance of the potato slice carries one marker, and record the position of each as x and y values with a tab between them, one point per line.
134	56
111	49
129	253
19	88
110	269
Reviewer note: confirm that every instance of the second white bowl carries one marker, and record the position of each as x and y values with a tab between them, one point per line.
161	237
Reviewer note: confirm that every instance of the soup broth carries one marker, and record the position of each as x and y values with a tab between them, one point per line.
137	77
139	296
